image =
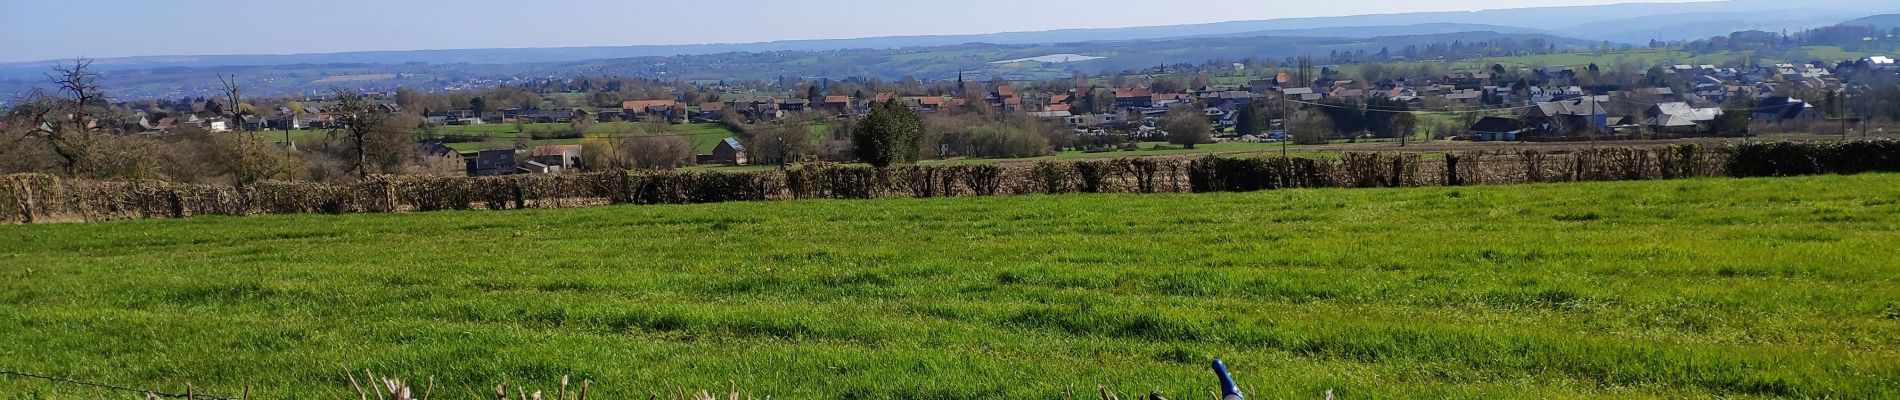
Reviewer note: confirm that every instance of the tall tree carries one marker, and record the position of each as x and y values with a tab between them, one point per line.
891	134
360	120
1201	81
71	139
1251	120
234	94
1404	125
1381	113
1734	120
782	142
1348	116
1187	126
1310	127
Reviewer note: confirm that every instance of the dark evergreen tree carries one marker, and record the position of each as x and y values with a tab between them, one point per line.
1251	120
890	135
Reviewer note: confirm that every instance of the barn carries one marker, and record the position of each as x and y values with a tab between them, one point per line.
728	152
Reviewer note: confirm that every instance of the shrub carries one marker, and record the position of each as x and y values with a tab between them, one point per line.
1091	176
1051	177
982	180
824	180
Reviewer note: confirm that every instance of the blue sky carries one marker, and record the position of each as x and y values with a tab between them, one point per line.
38	30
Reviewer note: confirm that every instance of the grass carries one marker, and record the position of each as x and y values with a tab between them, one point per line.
1751	288
704	136
1147	149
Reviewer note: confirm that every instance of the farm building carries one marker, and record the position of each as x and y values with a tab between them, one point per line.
1575	117
1671	125
563	157
492	162
1778	109
728	152
1496	129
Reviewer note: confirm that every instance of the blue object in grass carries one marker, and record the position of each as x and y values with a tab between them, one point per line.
1228	391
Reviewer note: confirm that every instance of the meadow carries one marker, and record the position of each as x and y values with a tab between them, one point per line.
703	136
1735	288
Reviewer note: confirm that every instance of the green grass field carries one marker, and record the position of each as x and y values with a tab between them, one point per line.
1147	149
704	136
1702	288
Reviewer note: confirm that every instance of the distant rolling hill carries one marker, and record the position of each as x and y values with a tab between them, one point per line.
1883	21
1703	25
1626	23
1388	30
570	54
933	62
944	62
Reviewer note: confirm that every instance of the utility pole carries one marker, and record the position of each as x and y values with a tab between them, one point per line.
1592	120
1843	101
1286	125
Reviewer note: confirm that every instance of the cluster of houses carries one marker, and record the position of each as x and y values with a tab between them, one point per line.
638	110
1552	110
285	118
1672	113
1564	111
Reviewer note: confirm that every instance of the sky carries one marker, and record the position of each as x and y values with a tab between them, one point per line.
32	30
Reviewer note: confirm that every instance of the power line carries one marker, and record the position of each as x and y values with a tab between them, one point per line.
1487	110
609	135
109	386
1656	104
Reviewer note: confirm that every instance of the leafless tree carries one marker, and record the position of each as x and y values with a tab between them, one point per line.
234	96
360	121
656	151
780	143
70	138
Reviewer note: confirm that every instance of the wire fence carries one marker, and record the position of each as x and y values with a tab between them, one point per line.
189	392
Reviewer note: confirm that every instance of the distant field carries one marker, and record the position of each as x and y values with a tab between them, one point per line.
1147	149
1643	58
1756	288
356	78
704	136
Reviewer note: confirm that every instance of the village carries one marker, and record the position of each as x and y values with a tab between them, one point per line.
988	199
1497	104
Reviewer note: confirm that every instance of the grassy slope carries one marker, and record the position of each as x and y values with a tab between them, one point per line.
1695	288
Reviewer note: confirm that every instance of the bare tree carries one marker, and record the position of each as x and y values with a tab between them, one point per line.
70	139
359	120
781	143
234	96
